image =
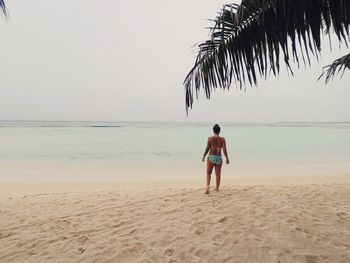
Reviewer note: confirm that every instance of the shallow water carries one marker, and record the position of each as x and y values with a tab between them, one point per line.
120	148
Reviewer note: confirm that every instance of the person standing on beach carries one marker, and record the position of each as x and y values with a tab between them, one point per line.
214	146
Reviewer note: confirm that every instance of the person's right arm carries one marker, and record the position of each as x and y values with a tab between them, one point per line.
225	152
206	149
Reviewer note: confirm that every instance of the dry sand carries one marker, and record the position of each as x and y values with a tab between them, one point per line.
271	223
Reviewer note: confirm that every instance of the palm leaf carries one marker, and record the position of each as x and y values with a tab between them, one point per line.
252	38
3	7
339	65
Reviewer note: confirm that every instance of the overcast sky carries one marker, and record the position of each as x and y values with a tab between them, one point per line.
126	61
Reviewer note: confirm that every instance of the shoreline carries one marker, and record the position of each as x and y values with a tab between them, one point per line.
22	185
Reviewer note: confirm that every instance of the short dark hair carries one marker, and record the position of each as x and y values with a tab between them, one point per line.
216	129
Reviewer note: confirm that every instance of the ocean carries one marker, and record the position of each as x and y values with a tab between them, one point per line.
117	150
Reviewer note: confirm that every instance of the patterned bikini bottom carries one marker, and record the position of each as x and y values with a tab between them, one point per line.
215	159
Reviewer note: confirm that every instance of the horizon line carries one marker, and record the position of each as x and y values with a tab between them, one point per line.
153	121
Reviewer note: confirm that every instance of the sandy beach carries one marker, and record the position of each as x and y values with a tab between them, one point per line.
247	223
112	120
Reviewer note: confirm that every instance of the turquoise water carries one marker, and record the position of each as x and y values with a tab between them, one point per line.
118	147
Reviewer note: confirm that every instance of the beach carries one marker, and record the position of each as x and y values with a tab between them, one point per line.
134	192
241	223
110	126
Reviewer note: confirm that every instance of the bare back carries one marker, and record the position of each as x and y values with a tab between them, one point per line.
215	144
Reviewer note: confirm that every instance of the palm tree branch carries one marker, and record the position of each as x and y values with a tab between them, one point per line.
3	7
338	66
246	40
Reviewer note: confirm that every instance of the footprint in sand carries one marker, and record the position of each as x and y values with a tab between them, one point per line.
169	252
138	248
4	235
342	216
311	259
302	230
197	210
222	219
200	230
202	253
132	231
82	239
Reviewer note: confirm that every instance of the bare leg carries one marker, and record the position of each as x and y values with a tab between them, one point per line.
208	183
210	167
218	176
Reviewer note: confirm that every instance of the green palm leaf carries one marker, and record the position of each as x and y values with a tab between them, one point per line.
252	38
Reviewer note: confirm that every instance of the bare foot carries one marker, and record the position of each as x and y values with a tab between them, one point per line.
207	190
217	189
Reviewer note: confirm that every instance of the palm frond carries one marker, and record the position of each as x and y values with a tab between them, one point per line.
338	66
250	39
3	7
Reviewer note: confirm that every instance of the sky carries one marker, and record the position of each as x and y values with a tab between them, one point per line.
89	60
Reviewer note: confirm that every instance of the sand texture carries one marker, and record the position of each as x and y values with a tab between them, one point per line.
287	223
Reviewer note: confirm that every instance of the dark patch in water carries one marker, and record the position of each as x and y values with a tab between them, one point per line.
103	126
162	154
